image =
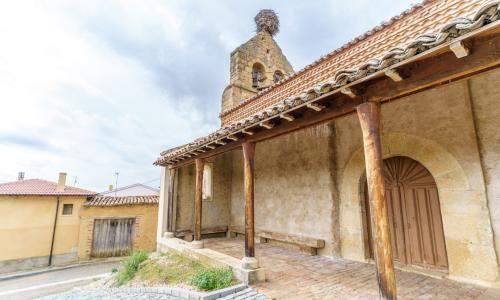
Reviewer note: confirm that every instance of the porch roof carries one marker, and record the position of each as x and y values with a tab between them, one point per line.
100	200
342	82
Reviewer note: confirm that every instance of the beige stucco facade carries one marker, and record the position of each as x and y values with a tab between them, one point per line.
144	232
309	182
26	229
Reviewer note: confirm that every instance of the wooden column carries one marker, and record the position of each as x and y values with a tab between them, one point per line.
170	200
200	163
369	118
248	154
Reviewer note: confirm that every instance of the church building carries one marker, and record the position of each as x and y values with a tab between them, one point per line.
385	150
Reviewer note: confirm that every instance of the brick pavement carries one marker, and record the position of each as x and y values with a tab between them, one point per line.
293	275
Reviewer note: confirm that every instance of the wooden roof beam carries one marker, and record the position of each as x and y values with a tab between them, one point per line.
266	124
247	132
220	142
459	49
232	137
349	92
210	147
287	117
315	106
394	75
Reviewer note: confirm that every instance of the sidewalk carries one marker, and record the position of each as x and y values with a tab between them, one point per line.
8	276
38	283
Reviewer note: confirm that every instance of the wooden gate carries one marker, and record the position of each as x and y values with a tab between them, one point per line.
112	237
414	214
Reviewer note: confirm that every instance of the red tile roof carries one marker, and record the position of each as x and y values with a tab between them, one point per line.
101	200
40	187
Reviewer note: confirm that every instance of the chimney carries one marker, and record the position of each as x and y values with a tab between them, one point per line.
61	183
110	187
20	176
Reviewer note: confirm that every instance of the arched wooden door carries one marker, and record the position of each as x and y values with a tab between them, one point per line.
414	214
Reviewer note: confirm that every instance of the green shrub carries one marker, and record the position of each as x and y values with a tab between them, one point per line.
114	270
213	278
130	267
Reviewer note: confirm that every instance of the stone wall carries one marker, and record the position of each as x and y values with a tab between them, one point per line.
216	210
261	49
485	95
294	190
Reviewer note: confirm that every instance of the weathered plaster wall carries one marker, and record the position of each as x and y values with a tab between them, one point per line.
215	211
26	231
294	190
435	128
146	217
485	95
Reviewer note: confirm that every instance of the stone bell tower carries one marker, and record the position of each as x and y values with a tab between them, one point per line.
256	64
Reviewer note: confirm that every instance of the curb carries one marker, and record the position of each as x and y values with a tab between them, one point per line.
179	292
53	269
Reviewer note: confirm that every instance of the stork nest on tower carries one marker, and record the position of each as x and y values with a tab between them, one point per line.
267	20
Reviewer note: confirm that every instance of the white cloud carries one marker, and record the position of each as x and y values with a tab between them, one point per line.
94	87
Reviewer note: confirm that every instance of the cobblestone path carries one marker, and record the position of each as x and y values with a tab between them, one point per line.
108	294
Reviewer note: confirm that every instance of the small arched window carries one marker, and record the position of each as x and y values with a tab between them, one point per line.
257	75
277	76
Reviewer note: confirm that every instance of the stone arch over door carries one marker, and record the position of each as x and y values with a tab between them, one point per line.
466	222
414	214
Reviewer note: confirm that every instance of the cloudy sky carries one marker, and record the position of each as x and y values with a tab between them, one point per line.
97	87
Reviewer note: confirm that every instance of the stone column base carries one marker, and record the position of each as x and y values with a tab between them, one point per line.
196	244
249	263
168	235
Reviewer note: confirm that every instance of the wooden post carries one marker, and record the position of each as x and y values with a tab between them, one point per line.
248	154
200	163
170	200
369	118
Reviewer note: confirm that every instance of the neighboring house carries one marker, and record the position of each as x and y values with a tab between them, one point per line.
310	136
117	225
137	189
39	223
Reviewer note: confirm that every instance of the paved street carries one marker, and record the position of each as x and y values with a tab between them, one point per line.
292	275
38	285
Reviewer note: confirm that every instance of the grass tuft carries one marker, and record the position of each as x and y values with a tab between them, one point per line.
130	267
173	269
213	278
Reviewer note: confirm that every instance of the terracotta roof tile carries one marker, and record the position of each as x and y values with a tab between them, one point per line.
40	187
101	200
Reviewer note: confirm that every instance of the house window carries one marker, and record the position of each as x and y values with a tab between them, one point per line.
67	209
277	76
207	182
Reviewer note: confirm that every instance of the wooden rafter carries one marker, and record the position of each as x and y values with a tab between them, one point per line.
287	117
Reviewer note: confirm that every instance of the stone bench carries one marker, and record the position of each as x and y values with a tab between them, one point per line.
307	245
187	234
234	231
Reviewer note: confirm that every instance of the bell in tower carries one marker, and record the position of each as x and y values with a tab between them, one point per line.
256	64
